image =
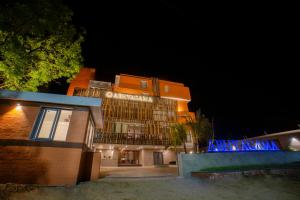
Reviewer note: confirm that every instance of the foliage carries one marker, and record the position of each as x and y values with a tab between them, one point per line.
201	131
178	135
38	44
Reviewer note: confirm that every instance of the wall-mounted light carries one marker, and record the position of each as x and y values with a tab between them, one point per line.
191	152
294	139
18	107
294	144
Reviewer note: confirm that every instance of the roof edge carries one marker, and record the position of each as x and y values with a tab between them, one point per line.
49	98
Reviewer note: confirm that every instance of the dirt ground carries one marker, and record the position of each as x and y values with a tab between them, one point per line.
231	188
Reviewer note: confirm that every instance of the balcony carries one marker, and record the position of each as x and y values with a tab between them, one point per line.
121	138
91	92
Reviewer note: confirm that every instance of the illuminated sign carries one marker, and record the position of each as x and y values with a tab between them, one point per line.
128	97
242	145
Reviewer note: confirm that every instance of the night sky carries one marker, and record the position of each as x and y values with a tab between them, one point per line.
238	62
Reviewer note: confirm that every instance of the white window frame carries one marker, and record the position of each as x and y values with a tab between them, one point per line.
39	121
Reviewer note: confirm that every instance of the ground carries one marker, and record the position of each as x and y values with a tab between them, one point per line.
114	172
266	187
162	184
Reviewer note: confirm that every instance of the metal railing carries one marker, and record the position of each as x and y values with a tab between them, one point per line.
121	138
91	92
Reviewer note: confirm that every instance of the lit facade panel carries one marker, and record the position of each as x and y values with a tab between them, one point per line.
138	113
134	119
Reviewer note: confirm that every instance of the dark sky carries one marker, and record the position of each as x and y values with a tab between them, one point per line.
237	60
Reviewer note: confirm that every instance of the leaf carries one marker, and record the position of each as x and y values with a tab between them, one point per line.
38	44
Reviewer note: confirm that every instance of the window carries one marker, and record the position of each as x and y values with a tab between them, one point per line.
166	88
124	128
63	125
90	132
144	84
52	124
159	115
118	127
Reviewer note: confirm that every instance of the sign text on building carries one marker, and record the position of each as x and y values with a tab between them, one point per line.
114	95
242	145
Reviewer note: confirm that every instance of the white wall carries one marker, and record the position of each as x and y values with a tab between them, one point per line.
169	156
109	158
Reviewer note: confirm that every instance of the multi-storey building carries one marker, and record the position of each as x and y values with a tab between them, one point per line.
138	113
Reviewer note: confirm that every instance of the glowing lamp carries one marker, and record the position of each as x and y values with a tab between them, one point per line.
18	107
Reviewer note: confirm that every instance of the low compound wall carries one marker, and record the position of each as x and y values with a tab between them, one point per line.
194	162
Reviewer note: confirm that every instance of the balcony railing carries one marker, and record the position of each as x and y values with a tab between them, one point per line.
121	138
91	92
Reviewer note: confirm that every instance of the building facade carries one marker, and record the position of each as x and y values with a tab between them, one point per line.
287	140
138	113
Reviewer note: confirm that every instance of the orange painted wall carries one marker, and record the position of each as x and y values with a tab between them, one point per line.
82	79
175	90
128	90
133	84
182	106
193	116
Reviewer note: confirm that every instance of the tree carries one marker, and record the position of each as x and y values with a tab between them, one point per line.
178	136
38	44
201	131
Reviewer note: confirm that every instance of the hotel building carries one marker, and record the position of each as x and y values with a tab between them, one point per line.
138	113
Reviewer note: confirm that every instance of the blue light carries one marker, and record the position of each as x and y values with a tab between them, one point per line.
242	145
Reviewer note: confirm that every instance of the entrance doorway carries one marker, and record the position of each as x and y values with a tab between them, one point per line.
158	158
129	158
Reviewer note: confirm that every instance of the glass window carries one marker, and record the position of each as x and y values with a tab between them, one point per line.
118	127
124	128
90	133
47	123
144	84
52	124
63	125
